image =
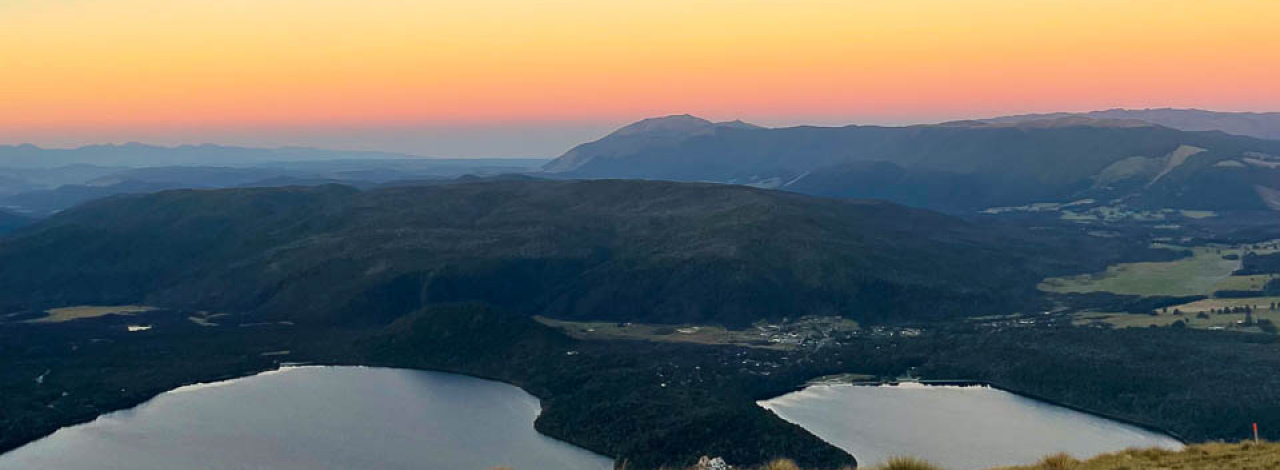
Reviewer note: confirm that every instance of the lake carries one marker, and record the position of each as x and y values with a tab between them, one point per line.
308	418
960	428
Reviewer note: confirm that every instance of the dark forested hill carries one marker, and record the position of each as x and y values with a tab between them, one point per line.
610	249
955	166
10	221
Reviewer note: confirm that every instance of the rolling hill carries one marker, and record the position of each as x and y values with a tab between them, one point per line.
613	250
960	166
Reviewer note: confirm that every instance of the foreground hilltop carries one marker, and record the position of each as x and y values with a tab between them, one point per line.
610	250
1210	456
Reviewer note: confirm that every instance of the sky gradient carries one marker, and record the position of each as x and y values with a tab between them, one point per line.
530	78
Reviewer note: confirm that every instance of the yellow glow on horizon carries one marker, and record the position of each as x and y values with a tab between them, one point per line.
68	64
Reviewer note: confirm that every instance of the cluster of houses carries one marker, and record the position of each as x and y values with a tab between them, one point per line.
822	331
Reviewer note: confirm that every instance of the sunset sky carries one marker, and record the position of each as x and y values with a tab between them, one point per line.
530	78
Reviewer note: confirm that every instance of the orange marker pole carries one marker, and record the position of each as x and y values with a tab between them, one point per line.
1255	433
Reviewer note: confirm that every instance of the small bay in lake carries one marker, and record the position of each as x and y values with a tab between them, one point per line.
959	428
316	418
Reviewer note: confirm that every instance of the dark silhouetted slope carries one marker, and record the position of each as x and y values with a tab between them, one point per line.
618	250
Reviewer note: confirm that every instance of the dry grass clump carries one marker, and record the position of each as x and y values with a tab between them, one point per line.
907	463
1060	461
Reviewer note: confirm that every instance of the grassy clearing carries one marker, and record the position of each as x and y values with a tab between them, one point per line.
1118	213
1251	282
1202	274
1226	321
1198	214
59	315
663	333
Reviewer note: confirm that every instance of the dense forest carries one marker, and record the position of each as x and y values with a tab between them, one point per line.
1254	263
609	396
10	221
614	250
448	276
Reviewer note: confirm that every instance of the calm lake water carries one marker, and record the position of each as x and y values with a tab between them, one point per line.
308	418
960	428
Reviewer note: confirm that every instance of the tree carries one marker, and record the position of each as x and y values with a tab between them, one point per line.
1267	326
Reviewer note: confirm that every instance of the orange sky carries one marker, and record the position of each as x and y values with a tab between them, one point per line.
199	70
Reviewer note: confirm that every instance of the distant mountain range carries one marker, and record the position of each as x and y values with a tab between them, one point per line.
1261	125
957	166
1134	160
611	250
142	155
32	183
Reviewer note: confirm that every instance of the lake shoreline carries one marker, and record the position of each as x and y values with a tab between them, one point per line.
982	383
234	379
963	424
801	387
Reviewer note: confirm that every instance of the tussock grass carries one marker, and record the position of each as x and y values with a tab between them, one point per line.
1059	462
1208	456
59	315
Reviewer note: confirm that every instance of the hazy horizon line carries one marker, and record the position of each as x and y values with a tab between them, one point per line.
495	140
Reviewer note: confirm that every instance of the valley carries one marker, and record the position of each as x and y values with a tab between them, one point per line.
657	235
648	318
686	379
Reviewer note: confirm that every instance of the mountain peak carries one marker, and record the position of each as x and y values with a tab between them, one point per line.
678	123
641	134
